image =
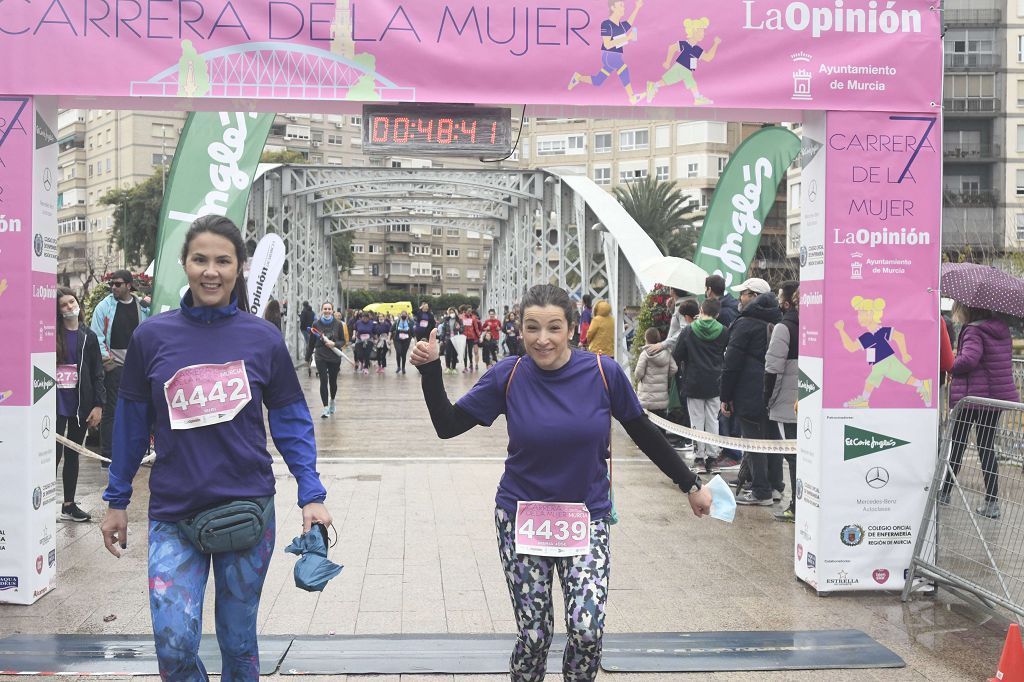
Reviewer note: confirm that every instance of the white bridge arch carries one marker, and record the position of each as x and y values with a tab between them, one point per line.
546	227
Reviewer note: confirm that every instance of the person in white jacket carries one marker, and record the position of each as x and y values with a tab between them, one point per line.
653	374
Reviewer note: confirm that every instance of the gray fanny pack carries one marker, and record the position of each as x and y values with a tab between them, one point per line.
229	527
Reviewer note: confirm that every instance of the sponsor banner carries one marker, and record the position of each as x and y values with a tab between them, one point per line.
16	144
808	485
882	247
265	268
211	174
813	161
28	367
744	194
876	481
753	54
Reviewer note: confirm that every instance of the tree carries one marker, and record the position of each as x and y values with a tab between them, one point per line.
343	256
283	156
136	217
664	212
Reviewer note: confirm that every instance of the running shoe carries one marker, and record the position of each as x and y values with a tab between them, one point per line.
326	413
990	509
858	402
652	90
787	515
749	500
700	100
574	81
72	512
777	495
725	463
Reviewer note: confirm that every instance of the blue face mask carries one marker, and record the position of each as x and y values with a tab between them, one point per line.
723	503
326	319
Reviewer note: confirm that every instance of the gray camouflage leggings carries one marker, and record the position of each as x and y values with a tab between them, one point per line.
584	581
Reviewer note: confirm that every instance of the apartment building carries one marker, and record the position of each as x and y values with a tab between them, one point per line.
101	150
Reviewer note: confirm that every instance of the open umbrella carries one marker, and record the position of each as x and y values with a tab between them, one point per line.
675	272
983	286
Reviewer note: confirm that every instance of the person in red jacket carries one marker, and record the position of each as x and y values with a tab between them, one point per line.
490	336
472	328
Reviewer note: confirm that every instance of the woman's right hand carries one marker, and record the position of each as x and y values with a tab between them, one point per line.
115	530
425	352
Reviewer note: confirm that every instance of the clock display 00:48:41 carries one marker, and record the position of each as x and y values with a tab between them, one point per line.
437	130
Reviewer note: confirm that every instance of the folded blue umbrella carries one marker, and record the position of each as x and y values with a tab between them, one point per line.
313	569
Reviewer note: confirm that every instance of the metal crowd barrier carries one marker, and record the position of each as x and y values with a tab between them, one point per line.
971	538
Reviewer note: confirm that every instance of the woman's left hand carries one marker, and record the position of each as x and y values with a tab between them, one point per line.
700	502
95	417
315	512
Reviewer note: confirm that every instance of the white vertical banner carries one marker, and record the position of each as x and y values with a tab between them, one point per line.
868	413
264	269
28	263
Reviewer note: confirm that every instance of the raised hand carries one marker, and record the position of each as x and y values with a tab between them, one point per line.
425	351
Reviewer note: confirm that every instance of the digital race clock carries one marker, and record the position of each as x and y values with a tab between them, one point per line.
418	129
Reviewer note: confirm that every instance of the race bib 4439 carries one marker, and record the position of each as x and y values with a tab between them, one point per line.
200	395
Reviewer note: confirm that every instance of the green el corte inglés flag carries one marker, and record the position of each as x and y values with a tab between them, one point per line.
742	199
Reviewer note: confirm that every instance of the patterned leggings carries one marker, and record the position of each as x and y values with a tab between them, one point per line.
584	581
177	581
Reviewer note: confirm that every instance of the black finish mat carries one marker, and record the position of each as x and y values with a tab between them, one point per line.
112	654
627	652
739	651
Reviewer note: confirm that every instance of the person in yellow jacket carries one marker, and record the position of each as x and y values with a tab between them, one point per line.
601	334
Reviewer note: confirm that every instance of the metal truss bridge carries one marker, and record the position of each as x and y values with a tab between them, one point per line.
544	228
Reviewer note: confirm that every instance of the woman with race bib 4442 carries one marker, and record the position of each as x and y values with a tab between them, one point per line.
196	377
553	507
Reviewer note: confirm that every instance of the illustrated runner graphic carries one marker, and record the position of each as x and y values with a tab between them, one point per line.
615	33
880	354
686	54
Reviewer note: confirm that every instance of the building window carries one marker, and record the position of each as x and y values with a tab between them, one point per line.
634	139
794	197
550	147
453	231
375	269
376	248
602	142
723	161
296	132
436	250
577	143
661	171
662	136
472	274
357	248
333	138
420	250
701	132
1020	183
603	175
692	168
472	253
1020	227
398	227
451	253
453	273
632	174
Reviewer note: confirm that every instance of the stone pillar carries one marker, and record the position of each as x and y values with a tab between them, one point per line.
28	266
869	330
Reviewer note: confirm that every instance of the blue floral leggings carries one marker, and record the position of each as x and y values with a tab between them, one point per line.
584	581
177	582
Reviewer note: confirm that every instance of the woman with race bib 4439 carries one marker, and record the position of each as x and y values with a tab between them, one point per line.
553	507
198	377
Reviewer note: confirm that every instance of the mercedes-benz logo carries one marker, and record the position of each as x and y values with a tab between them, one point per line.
877	477
46	426
47	178
807	428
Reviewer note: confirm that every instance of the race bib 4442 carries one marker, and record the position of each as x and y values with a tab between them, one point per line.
200	395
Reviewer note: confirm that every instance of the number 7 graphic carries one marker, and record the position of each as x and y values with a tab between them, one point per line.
920	143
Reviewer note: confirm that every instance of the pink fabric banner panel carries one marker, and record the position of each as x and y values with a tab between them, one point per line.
734	54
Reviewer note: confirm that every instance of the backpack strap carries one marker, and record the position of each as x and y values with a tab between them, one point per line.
512	374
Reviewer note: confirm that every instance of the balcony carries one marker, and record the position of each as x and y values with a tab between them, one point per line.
970	151
981	198
973	227
971	105
966	61
972	17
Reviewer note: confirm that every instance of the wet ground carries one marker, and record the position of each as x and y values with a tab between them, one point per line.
414	517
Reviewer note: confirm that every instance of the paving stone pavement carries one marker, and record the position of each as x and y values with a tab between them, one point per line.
416	536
